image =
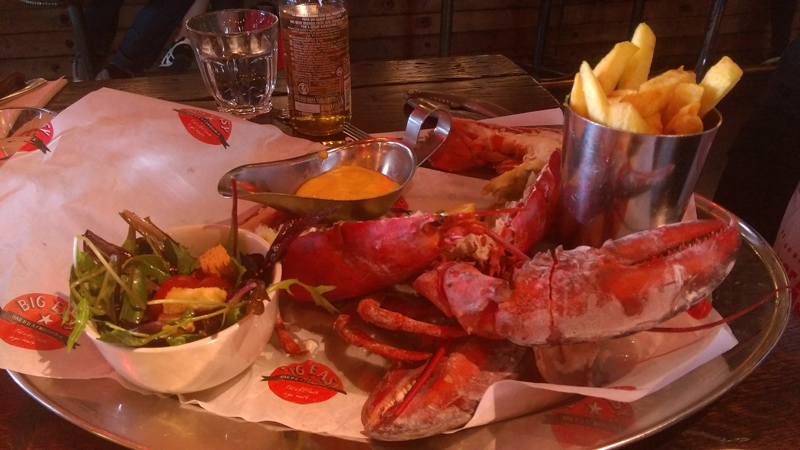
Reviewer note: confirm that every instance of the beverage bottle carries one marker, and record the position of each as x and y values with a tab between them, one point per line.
316	51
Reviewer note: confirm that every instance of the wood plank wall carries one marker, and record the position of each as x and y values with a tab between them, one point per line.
38	40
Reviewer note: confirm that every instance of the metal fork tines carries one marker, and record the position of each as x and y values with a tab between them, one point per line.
354	132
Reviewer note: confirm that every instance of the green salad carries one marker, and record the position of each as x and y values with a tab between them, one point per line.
149	291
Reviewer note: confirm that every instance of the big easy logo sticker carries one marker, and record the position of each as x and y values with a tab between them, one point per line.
304	383
33	322
37	139
400	206
590	421
205	126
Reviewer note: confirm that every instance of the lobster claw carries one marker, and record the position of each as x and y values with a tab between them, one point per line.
448	398
638	281
703	251
586	294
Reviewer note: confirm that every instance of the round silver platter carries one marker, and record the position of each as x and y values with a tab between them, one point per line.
133	420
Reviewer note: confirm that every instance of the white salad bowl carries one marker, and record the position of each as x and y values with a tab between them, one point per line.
207	362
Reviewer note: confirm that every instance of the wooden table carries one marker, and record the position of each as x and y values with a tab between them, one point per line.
378	88
761	412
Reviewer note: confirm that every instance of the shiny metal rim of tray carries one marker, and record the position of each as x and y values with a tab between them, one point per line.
134	420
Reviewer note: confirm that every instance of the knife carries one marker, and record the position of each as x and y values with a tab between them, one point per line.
456	102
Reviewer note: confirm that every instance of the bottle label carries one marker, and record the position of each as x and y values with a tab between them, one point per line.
317	51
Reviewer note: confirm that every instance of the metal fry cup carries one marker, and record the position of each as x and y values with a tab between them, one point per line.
614	182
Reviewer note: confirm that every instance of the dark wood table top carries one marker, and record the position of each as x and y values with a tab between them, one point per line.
377	88
762	411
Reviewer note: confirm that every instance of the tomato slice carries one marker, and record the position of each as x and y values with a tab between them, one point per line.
700	310
183	281
215	281
178	281
196	280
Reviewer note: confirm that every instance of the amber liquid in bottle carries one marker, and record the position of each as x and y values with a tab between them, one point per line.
317	59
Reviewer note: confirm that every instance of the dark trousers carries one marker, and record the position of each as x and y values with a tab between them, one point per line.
143	42
781	17
763	166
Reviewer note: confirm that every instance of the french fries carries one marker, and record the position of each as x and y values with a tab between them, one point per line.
597	104
639	65
576	99
610	68
683	94
719	80
617	92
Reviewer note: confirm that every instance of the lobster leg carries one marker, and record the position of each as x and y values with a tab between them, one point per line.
288	343
371	311
361	339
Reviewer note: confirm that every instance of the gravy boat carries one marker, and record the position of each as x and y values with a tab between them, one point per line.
274	183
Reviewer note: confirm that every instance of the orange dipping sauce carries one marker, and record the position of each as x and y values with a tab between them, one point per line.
348	183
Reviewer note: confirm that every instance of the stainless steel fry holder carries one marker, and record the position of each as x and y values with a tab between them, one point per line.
614	182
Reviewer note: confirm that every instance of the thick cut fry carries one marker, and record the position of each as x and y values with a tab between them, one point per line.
624	116
682	95
620	93
718	81
668	80
684	124
617	93
596	101
638	67
577	102
610	68
648	102
655	124
686	121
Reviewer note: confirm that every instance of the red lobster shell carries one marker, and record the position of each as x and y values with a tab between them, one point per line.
586	294
363	257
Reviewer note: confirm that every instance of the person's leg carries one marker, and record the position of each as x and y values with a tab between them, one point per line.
101	20
763	168
781	17
148	35
179	57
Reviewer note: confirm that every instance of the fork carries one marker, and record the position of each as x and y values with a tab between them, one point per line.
348	130
354	132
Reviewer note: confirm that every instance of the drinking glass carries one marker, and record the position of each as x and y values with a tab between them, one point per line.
236	51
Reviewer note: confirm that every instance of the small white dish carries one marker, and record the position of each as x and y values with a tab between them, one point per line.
208	362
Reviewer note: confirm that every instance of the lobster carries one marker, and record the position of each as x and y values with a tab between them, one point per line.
566	296
478	273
